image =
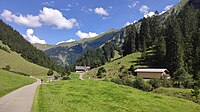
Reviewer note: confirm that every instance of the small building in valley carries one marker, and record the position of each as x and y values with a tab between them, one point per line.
81	69
153	73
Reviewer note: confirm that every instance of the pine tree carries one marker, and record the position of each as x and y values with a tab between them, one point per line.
145	37
174	51
129	43
189	25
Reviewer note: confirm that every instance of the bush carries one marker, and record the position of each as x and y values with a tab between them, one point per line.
56	77
100	71
155	83
167	83
181	78
50	73
7	67
65	78
132	69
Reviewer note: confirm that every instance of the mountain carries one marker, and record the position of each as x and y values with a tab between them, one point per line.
43	47
67	53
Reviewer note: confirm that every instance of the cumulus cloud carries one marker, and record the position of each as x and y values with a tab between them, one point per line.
55	17
46	16
167	8
83	35
70	40
27	20
32	38
101	11
144	9
133	3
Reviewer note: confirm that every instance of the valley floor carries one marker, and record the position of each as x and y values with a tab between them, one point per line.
101	96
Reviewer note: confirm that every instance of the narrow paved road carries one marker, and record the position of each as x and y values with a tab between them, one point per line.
20	100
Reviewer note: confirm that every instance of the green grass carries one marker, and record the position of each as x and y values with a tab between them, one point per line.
100	96
113	67
176	92
19	64
10	81
74	76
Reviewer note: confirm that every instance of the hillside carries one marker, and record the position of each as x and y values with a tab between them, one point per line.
18	44
99	96
11	81
112	68
19	64
67	53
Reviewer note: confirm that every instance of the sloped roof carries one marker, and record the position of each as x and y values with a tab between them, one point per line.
152	70
82	67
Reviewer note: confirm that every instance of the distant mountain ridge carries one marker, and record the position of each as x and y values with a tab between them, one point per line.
67	53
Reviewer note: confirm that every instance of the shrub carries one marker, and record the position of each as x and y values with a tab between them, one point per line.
195	93
155	83
56	77
65	78
132	69
181	78
100	71
50	73
7	67
167	83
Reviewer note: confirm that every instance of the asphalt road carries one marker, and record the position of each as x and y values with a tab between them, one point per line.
20	100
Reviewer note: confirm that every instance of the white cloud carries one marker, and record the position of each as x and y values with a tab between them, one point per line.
129	23
90	9
70	40
144	9
101	11
133	3
46	16
28	20
55	17
149	14
110	7
51	3
83	35
167	8
32	38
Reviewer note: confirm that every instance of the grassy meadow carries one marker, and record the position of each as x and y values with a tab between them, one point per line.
176	92
19	64
114	66
10	81
74	76
100	96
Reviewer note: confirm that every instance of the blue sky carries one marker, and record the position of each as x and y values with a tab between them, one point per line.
53	21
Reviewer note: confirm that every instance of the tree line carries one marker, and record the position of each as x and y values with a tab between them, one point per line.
98	56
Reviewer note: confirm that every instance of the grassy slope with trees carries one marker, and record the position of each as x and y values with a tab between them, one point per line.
19	64
114	66
90	96
18	44
10	81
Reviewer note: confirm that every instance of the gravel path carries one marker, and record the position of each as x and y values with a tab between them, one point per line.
20	100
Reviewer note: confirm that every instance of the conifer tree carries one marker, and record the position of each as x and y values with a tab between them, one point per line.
174	51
